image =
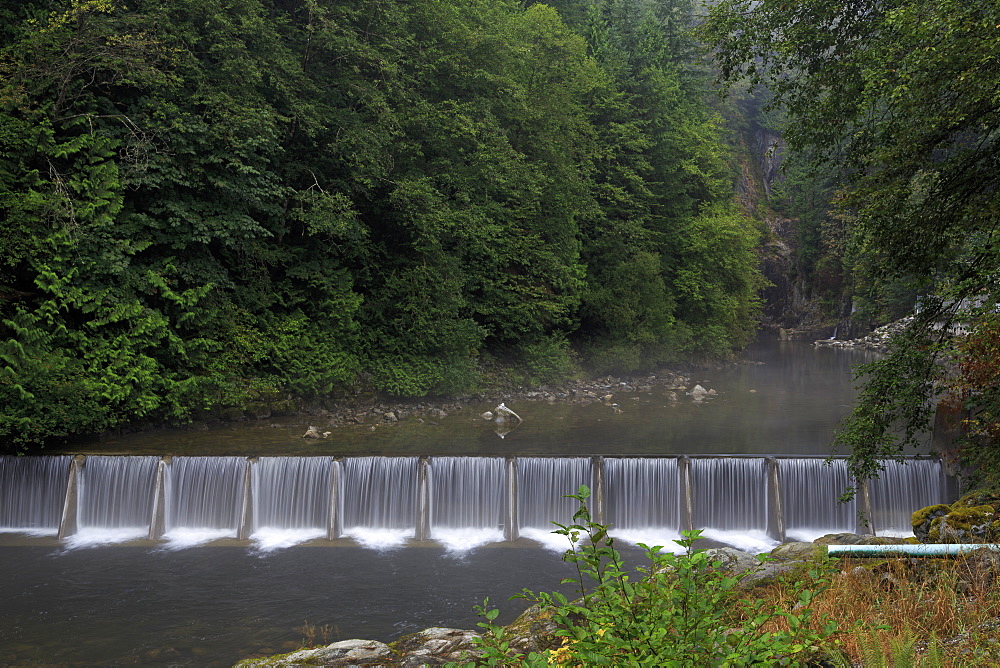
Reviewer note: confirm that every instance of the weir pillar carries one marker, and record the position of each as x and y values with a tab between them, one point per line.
597	506
775	504
246	511
157	522
687	495
423	500
335	527
510	528
67	523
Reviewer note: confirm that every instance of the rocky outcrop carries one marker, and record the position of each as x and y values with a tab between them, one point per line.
343	653
877	340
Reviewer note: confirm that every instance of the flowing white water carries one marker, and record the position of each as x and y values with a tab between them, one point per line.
203	497
378	500
902	488
291	500
542	485
730	494
115	499
810	493
32	490
643	500
467	498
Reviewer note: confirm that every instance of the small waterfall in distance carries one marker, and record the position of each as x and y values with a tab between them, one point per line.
379	499
32	490
730	499
291	500
542	482
643	500
115	499
810	490
467	496
203	497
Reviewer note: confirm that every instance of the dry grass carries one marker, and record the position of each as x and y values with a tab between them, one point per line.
905	612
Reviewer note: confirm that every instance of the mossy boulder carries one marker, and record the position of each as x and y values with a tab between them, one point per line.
921	520
975	518
976	524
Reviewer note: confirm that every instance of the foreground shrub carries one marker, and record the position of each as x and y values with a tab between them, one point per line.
682	610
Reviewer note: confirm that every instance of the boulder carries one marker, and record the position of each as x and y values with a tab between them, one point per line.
732	560
798	551
975	518
437	646
533	631
343	653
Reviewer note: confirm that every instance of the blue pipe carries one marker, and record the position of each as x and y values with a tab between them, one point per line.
922	550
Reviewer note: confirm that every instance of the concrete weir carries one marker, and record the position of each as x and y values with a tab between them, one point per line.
780	497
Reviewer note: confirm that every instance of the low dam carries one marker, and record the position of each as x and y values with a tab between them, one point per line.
385	501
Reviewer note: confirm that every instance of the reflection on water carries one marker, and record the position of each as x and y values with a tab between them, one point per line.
786	400
211	606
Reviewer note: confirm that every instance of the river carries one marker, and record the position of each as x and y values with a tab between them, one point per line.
172	602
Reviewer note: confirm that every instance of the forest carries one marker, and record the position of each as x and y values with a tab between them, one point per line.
213	206
208	205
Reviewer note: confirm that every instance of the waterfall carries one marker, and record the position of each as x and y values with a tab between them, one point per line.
202	499
643	499
731	501
902	488
467	500
32	490
115	501
810	489
542	483
291	500
379	499
461	502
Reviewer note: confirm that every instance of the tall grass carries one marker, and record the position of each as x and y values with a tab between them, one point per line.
908	612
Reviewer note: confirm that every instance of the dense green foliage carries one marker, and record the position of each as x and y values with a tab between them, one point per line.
212	204
683	610
898	98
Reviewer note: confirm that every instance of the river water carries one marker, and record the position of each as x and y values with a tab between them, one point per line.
152	603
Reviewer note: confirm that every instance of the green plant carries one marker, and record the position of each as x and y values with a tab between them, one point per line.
901	652
683	610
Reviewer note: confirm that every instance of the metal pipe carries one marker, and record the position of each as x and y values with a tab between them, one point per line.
910	550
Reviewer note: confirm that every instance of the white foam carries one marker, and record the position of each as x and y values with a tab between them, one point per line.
93	536
180	538
754	541
268	539
379	539
652	537
550	541
30	531
458	541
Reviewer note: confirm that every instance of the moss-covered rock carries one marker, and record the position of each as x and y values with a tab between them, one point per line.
921	520
965	525
799	551
974	518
